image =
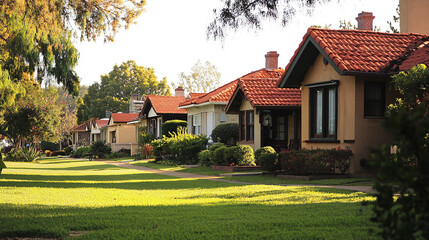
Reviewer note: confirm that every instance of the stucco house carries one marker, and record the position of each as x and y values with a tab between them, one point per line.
96	125
119	134
268	115
206	111
344	76
158	109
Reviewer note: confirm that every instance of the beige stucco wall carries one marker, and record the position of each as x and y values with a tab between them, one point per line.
256	142
414	16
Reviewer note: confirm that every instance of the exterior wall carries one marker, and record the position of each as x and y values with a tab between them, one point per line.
355	132
256	142
126	136
414	17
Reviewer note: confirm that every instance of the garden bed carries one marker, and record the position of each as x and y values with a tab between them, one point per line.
235	168
311	177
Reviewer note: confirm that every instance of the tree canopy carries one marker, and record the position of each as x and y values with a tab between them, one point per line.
116	87
203	78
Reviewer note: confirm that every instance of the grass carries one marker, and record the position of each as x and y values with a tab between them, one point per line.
61	198
263	179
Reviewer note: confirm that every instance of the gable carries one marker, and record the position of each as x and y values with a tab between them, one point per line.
152	113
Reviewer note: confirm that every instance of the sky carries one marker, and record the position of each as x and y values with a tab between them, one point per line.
170	37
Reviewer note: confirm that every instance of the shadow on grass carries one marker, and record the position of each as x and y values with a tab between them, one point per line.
221	221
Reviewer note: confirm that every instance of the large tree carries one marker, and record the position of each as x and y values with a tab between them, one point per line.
202	78
116	87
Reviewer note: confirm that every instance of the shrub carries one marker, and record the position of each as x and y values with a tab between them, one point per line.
81	152
116	155
226	133
125	151
147	150
262	151
48	153
99	149
267	158
68	150
218	156
319	161
7	149
22	155
245	156
204	158
171	126
144	137
2	165
58	153
49	146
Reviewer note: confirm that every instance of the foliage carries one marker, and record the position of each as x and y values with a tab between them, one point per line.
116	155
218	156
116	87
226	133
267	158
204	158
2	165
202	79
144	137
170	127
147	150
240	13
99	149
316	161
125	152
245	155
181	147
396	19
49	146
221	154
402	205
22	155
58	153
81	152
68	150
8	92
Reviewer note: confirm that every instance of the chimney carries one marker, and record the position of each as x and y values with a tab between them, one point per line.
364	20
179	92
108	113
271	60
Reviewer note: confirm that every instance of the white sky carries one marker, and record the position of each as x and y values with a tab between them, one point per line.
170	36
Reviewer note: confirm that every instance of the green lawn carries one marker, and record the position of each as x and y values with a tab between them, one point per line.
263	179
90	200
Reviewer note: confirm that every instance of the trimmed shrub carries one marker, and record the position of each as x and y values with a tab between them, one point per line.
81	152
245	156
218	156
226	133
48	153
267	158
126	152
51	146
261	151
171	126
58	153
204	158
99	149
313	162
68	150
116	155
22	155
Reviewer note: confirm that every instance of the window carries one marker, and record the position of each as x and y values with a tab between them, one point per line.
247	120
323	110
196	124
281	129
375	102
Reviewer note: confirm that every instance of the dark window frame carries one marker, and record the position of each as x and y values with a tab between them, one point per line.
373	102
324	87
245	126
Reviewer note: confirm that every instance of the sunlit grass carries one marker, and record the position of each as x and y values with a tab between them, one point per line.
54	197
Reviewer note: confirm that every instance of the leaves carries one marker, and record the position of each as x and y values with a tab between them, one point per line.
202	79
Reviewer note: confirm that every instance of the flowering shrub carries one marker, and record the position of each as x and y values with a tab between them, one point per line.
147	150
319	161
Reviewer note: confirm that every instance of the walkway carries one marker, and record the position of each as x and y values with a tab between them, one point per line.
365	189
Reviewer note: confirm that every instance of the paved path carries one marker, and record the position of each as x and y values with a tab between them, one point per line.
365	189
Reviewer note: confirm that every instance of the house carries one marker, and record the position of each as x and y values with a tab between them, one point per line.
81	134
206	111
344	76
96	125
414	17
268	115
119	134
158	109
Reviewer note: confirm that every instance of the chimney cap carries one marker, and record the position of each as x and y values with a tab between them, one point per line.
365	20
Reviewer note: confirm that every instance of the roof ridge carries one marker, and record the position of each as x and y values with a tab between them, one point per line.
365	31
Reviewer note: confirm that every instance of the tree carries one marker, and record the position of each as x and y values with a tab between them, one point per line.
238	13
402	205
202	78
396	18
115	89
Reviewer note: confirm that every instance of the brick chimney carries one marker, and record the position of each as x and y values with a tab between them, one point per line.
179	92
271	60
364	20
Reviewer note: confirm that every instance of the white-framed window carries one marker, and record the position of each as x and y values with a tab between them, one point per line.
196	124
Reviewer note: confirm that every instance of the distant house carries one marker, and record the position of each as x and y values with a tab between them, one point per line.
207	110
119	134
268	115
158	109
96	125
345	80
81	134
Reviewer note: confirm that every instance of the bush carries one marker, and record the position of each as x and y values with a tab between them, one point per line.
22	155
2	165
319	161
81	152
226	133
48	153
68	150
181	147
170	127
147	150
58	153
218	156
7	149
267	158
99	149
204	158
245	156
116	155
144	137
51	146
262	151
125	152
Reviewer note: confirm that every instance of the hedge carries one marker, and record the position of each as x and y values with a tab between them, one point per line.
226	133
172	126
267	158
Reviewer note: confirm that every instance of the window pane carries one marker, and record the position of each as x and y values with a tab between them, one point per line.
331	111
251	117
319	112
251	132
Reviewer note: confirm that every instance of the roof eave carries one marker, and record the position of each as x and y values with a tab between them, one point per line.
202	104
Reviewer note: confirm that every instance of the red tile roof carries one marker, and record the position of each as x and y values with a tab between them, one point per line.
166	104
80	128
417	55
224	93
101	123
195	95
123	117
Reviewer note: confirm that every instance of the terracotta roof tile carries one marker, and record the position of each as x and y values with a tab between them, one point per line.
166	104
79	128
418	55
101	123
264	92
224	93
123	117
